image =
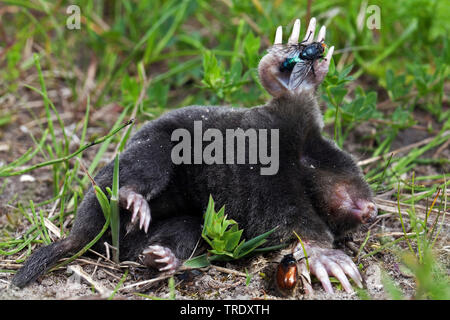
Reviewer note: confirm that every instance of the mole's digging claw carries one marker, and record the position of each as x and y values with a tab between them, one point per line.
128	199
161	258
331	262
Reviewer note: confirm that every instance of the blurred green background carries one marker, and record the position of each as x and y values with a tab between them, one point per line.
404	61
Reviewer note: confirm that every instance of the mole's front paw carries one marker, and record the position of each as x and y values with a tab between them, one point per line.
331	262
135	201
161	258
296	66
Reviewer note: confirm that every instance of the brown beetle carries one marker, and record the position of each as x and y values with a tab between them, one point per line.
286	275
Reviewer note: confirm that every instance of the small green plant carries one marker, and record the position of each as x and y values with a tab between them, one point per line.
119	284
422	234
418	260
432	281
172	294
218	79
224	237
171	285
343	111
110	207
431	278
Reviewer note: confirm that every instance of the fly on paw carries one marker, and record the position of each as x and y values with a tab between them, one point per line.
161	258
295	67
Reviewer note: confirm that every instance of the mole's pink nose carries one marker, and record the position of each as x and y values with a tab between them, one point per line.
365	210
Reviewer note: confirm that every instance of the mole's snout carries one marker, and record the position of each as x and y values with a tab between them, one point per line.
347	202
365	210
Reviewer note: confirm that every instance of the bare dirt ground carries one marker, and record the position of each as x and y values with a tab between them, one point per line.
227	281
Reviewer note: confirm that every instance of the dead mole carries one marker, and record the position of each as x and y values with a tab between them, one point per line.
317	190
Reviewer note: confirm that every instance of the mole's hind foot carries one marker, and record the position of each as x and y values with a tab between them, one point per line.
135	201
330	262
161	258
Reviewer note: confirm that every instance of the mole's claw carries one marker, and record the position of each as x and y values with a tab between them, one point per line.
163	260
293	39
160	257
148	217
155	250
143	214
309	36
321	67
335	270
320	272
136	207
351	270
171	268
129	202
329	54
322	32
303	272
278	35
